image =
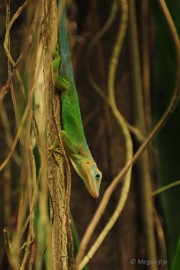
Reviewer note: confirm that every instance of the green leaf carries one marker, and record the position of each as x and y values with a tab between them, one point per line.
176	263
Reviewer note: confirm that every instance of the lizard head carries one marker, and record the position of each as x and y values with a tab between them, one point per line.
88	171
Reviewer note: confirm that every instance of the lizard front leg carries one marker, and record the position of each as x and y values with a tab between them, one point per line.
61	83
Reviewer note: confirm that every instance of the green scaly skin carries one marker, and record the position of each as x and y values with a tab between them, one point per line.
72	135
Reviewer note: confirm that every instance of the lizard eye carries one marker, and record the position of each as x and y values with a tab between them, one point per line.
98	175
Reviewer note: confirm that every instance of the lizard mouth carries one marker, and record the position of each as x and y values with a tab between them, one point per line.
93	191
92	182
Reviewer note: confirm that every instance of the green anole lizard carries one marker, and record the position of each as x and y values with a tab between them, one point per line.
72	135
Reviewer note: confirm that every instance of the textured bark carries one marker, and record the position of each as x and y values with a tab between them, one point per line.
56	174
57	188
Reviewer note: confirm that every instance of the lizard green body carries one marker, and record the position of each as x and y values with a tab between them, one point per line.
72	135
